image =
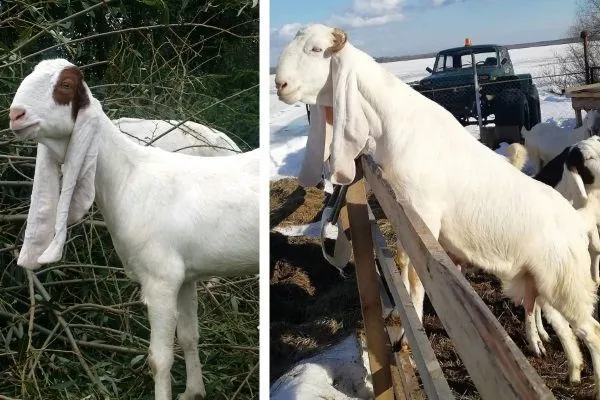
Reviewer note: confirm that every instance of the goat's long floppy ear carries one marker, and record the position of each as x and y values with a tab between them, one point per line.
350	126
576	174
77	189
317	145
42	211
575	186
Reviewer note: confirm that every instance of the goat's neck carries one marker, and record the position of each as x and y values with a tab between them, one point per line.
592	204
380	93
117	157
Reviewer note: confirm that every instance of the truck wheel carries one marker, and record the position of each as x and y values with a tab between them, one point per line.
535	114
510	107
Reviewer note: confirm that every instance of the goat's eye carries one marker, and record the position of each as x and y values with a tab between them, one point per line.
317	49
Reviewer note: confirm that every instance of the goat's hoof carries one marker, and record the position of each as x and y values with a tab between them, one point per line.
404	344
575	377
538	349
52	254
195	395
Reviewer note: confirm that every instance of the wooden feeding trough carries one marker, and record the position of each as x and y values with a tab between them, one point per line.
586	97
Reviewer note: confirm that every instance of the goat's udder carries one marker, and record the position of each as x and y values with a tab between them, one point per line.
527	299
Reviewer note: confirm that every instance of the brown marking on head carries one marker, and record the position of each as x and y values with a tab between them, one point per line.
70	89
339	40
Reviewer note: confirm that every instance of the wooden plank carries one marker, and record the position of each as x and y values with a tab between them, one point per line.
585	103
585	95
404	379
494	362
398	377
578	90
366	277
432	376
401	359
412	390
578	118
399	393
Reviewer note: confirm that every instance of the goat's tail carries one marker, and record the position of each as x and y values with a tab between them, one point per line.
517	155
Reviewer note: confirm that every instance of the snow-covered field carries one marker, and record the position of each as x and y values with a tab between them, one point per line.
315	377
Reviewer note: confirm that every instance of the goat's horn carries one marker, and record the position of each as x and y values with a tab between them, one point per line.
339	40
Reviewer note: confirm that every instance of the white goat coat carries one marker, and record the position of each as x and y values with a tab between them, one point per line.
546	140
225	227
486	211
189	138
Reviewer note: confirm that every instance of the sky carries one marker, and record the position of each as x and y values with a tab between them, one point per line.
406	27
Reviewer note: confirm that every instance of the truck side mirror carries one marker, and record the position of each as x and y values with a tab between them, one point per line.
429	70
504	61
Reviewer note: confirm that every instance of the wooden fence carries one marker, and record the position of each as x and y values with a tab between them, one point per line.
495	364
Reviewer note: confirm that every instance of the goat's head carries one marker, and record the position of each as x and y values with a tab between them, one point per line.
303	70
583	167
48	101
592	122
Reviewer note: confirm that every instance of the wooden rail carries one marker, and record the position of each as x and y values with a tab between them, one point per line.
495	364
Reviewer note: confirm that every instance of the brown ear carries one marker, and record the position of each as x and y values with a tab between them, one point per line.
339	40
70	88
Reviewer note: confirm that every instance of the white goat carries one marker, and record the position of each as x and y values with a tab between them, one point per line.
478	206
188	138
173	218
546	140
575	177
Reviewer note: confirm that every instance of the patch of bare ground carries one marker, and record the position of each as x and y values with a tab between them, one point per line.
313	307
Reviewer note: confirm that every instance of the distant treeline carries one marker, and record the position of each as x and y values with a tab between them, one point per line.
430	55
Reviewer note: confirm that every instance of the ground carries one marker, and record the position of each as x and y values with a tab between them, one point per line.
313	307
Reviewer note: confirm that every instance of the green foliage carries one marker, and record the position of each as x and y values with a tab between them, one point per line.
146	58
159	59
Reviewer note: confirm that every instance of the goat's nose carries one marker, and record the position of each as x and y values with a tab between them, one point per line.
280	84
16	113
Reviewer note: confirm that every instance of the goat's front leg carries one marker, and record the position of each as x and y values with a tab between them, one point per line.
161	298
187	336
411	279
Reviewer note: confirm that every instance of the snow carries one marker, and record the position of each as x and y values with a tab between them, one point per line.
339	373
333	373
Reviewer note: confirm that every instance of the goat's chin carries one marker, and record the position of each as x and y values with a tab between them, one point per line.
28	132
290	98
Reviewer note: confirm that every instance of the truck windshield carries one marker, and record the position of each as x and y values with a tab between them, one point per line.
459	60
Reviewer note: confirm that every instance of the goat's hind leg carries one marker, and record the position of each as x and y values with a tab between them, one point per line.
567	339
589	332
187	337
